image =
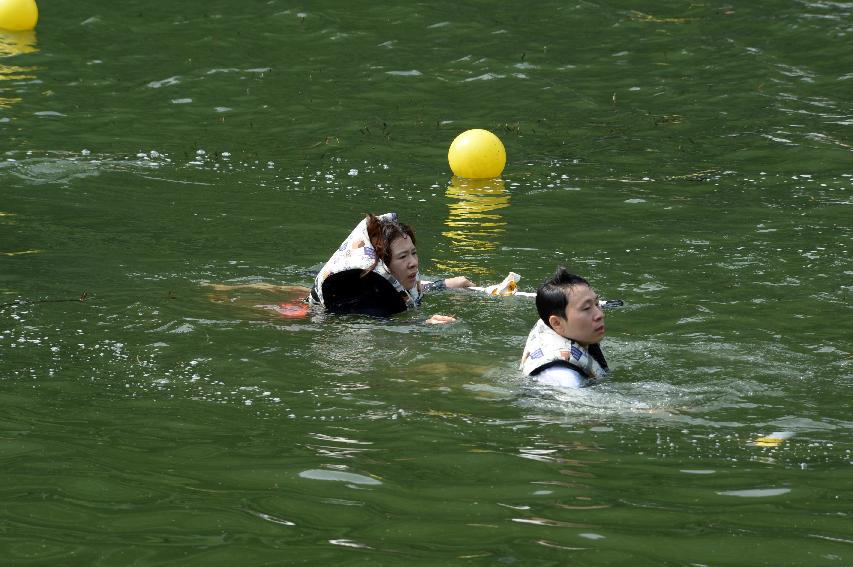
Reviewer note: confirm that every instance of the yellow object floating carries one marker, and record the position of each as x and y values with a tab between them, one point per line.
774	439
477	154
18	15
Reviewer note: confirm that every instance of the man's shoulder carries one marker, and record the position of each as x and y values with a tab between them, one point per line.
559	375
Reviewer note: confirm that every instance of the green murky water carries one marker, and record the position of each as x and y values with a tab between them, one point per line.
694	161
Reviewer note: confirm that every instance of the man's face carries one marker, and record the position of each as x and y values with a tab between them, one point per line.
584	319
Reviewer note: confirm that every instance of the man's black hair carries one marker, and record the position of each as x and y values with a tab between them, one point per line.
552	297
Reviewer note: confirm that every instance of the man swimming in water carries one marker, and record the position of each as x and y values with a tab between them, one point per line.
562	349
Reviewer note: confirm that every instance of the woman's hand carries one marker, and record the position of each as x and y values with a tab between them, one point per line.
458	282
440	320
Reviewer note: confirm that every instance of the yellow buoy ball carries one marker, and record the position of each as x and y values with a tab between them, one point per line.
477	154
18	15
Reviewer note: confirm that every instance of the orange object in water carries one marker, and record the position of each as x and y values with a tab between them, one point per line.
292	310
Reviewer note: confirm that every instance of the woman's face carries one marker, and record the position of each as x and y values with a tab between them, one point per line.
404	261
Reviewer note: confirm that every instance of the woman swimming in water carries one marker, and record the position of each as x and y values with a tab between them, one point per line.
375	272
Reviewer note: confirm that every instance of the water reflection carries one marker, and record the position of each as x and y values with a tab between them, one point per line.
17	43
11	44
474	223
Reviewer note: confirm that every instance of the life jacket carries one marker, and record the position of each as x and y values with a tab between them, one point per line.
343	287
545	348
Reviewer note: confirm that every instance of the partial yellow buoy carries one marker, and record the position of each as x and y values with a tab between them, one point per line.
18	15
477	154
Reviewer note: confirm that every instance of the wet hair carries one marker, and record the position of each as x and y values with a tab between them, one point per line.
552	297
382	233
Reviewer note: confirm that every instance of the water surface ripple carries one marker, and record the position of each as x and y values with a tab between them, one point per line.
693	161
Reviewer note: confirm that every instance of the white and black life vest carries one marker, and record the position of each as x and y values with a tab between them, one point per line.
545	348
